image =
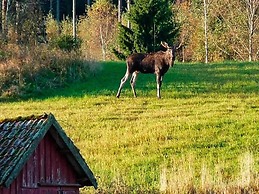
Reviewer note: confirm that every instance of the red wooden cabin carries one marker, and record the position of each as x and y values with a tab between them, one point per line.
37	157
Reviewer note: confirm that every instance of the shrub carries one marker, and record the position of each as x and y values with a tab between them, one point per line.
60	35
67	43
30	70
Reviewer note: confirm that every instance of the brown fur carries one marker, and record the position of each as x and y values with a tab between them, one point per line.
157	63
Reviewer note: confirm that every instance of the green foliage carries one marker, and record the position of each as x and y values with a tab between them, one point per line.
52	28
125	41
3	55
67	43
151	21
61	36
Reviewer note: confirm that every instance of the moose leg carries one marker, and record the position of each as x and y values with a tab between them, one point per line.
133	82
123	80
159	83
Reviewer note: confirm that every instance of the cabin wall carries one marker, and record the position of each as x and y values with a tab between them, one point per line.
47	171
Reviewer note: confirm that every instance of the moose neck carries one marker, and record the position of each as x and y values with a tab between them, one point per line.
170	58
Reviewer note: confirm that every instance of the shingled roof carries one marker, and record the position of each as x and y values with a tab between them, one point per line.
19	138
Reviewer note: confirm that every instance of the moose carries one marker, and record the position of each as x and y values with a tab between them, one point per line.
157	63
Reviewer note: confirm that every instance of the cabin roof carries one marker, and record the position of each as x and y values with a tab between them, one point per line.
19	137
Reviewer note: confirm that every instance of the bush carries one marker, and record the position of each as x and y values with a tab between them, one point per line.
60	35
30	70
67	43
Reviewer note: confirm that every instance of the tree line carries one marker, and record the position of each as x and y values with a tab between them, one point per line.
219	30
203	30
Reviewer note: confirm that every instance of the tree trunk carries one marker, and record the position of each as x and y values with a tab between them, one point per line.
206	30
74	19
3	16
51	7
58	11
251	7
250	43
119	10
102	43
128	9
18	22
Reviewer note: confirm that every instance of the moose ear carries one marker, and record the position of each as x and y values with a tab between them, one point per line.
164	44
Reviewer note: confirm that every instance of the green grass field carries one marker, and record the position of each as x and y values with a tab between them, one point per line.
201	137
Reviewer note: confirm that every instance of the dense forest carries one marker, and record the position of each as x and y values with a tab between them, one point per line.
40	38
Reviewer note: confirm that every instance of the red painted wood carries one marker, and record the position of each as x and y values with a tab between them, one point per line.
48	166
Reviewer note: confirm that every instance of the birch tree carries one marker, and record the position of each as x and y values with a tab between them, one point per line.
4	16
230	28
205	4
119	10
252	9
1	17
98	30
242	22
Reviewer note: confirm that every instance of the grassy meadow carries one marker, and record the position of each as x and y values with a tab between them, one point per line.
201	137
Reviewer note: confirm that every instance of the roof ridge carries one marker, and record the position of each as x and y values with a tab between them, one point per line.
20	118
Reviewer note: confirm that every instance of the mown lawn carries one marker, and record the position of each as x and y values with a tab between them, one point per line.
202	136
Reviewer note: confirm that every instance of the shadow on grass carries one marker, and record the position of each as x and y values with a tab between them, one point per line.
223	78
181	81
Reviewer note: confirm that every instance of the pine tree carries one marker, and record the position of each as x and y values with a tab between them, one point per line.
152	21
